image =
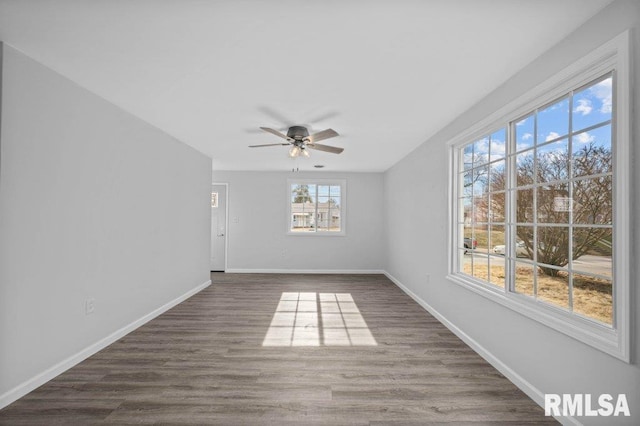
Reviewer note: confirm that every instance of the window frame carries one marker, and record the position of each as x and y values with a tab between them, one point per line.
612	57
309	181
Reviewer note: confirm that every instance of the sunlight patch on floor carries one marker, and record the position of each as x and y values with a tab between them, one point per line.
318	319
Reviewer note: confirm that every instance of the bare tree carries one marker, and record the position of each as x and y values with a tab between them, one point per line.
591	203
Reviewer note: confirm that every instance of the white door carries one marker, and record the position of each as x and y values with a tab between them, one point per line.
218	227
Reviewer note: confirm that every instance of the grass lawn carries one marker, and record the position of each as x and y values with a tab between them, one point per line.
592	297
482	237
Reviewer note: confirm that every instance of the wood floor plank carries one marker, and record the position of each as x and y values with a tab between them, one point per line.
354	350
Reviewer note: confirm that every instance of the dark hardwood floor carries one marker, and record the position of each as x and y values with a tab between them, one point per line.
256	349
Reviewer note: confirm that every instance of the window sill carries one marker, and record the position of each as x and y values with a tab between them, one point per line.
316	234
598	336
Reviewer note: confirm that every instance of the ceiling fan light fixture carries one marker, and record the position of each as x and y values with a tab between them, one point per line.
300	139
294	151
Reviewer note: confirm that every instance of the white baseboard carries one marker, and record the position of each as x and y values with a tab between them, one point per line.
305	271
532	392
40	379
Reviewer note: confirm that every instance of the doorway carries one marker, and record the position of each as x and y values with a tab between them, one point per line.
219	210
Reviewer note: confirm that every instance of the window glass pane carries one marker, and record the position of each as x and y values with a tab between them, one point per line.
469	242
334	220
553	121
467	183
466	262
481	234
497	242
524	249
302	222
481	152
497	270
334	191
323	190
467	157
553	161
524	168
498	145
480	180
524	238
322	219
524	278
553	203
593	105
592	251
466	210
592	153
481	266
552	245
461	235
592	201
524	206
553	286
497	176
481	208
496	211
593	297
524	133
303	193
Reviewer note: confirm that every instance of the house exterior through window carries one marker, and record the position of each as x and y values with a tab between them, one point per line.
539	201
316	207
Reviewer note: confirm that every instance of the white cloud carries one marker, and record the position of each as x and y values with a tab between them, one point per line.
521	122
527	136
584	106
564	104
603	91
552	135
497	148
585	138
481	146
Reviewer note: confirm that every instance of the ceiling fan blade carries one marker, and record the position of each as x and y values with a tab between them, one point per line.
326	148
277	133
268	144
320	136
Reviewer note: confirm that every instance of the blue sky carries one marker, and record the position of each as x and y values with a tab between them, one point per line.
590	106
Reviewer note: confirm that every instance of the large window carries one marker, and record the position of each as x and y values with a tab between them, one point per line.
316	207
540	201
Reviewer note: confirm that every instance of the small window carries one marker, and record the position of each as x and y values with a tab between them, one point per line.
316	207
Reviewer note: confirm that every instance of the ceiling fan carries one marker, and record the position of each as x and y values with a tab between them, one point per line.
300	139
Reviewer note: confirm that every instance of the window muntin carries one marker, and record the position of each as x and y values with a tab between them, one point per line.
551	191
316	207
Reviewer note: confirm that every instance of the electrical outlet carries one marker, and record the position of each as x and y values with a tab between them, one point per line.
427	278
89	306
236	219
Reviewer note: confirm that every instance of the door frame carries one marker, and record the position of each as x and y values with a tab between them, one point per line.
226	221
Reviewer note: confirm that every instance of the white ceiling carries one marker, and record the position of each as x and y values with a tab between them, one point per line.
386	75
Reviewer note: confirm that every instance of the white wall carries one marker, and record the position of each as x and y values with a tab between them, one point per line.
416	192
258	241
94	203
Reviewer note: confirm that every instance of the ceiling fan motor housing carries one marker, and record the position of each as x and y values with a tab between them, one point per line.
297	132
